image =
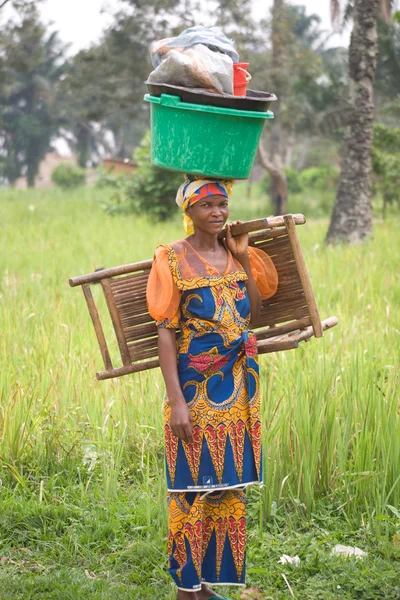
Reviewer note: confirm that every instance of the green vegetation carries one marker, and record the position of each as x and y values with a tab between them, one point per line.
68	177
386	163
293	181
320	178
149	190
82	497
319	182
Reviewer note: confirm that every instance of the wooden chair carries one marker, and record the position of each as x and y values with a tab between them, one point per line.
286	319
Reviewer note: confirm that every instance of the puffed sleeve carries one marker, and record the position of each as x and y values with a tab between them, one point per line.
163	297
264	272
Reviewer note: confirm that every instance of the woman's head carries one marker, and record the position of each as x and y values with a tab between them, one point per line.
204	203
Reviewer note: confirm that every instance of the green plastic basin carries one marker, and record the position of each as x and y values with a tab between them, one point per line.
204	140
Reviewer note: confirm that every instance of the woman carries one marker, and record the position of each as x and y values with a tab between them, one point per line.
211	290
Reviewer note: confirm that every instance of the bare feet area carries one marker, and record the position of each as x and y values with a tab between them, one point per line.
187	595
204	594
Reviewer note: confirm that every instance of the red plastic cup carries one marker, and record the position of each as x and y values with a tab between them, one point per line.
241	78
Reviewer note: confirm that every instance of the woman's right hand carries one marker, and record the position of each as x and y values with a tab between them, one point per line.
180	418
181	421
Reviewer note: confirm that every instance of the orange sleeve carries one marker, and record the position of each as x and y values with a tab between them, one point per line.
163	297
264	272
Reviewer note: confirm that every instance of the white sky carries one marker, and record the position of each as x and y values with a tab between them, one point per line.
81	22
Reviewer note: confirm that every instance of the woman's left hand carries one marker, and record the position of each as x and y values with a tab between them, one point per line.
237	244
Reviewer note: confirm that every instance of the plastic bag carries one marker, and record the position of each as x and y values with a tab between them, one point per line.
212	37
196	67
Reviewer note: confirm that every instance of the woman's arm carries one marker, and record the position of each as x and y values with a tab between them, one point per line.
238	245
252	289
180	421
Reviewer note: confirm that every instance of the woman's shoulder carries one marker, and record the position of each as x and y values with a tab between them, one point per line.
173	253
176	246
171	257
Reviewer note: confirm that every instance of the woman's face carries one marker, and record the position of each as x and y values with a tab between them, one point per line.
209	215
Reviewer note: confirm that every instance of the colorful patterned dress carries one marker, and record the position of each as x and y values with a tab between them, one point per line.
219	377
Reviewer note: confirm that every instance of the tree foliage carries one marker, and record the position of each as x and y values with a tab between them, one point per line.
105	84
386	163
309	78
153	190
31	64
150	190
388	71
85	96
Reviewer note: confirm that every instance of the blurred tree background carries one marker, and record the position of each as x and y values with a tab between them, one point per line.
93	99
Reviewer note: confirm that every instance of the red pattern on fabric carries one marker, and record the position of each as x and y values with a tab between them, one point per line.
216	439
237	436
255	434
209	189
251	346
237	539
171	451
239	294
195	538
220	535
207	362
180	554
193	452
208	528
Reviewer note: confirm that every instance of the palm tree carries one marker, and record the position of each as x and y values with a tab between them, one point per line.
351	219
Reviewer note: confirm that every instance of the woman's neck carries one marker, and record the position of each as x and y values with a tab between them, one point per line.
205	241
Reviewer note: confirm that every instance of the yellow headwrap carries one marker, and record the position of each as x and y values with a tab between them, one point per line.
190	192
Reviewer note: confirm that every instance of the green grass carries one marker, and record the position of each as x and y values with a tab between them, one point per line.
82	497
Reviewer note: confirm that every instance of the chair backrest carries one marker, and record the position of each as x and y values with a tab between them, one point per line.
292	308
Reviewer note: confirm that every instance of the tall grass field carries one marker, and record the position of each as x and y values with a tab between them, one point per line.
82	496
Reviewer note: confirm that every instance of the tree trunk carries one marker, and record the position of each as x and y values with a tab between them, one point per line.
83	143
33	162
304	148
30	178
351	219
289	147
278	182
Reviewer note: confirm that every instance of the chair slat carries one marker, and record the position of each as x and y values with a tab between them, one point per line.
303	274
269	332
97	326
140	332
116	321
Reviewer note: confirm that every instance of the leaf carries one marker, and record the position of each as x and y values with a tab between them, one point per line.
394	510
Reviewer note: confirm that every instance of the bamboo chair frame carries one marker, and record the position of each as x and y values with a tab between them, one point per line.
288	318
